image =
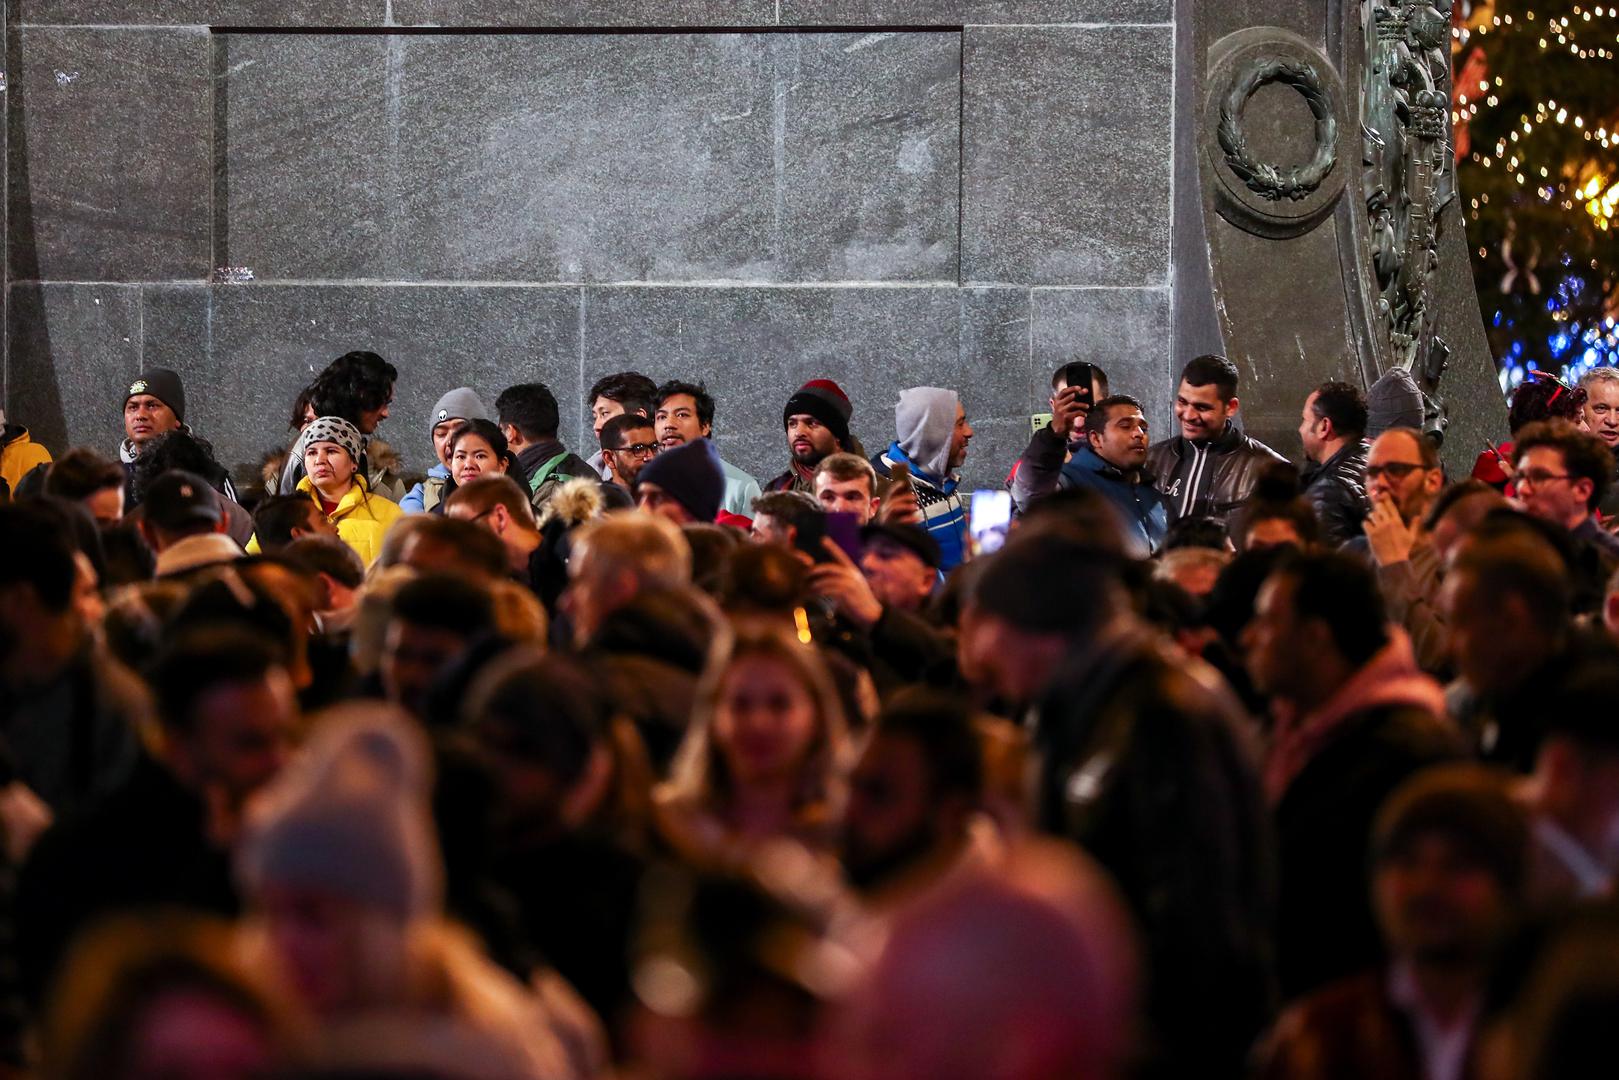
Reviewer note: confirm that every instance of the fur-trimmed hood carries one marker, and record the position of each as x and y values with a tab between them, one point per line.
575	502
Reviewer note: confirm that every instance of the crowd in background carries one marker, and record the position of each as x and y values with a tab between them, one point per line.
1169	760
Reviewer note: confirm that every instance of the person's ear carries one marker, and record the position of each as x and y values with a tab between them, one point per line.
1433	481
1582	489
1231	408
328	591
502	518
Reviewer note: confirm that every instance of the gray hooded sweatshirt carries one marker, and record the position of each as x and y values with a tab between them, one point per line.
924	425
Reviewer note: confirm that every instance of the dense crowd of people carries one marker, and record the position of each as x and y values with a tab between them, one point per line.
547	763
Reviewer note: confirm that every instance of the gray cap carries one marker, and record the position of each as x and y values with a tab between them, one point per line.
462	403
1395	400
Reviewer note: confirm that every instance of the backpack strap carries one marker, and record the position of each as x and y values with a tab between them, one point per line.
545	472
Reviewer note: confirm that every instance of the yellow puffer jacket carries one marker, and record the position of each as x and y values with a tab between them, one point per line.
19	455
362	519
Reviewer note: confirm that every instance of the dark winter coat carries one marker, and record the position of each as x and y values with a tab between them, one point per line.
1142	510
145	846
1145	764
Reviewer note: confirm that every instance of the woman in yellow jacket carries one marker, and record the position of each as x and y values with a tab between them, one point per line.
330	448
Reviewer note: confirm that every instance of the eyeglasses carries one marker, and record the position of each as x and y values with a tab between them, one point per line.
1394	470
644	449
1539	476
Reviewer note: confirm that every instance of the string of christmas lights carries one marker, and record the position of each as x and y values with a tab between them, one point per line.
1540	178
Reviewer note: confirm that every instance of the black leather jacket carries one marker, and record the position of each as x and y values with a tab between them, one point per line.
1211	479
1336	489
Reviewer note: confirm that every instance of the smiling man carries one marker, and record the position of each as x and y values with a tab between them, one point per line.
1210	467
932	434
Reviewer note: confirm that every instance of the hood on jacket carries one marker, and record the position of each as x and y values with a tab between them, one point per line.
924	424
382	458
577	501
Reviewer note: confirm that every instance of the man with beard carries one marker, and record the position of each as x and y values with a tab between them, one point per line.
1353	718
1113	462
1448	870
912	796
1332	431
628	442
817	422
227	721
1403	480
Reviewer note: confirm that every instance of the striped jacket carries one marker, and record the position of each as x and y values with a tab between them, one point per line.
943	514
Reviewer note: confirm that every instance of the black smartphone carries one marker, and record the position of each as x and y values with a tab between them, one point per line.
807	537
1082	375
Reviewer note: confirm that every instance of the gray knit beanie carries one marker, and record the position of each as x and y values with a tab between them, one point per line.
332	429
462	403
1394	401
351	817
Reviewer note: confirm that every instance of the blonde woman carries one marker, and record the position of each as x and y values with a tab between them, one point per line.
765	759
330	450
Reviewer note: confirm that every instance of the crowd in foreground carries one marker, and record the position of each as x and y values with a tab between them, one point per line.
544	766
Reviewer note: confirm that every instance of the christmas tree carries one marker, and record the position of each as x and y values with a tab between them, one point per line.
1537	149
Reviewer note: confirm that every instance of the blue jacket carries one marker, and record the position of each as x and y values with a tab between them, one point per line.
943	515
414	502
1143	511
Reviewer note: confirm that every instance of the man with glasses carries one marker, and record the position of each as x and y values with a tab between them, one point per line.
1561	475
1403	478
628	442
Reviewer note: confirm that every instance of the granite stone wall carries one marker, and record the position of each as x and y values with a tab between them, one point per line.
964	193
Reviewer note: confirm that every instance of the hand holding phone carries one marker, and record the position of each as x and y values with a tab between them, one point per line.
1081	376
900	505
1069	405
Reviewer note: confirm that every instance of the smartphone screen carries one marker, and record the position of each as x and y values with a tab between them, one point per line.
991	520
843	528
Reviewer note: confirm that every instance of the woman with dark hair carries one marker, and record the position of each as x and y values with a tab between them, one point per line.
184	451
359	388
1542	396
476	449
